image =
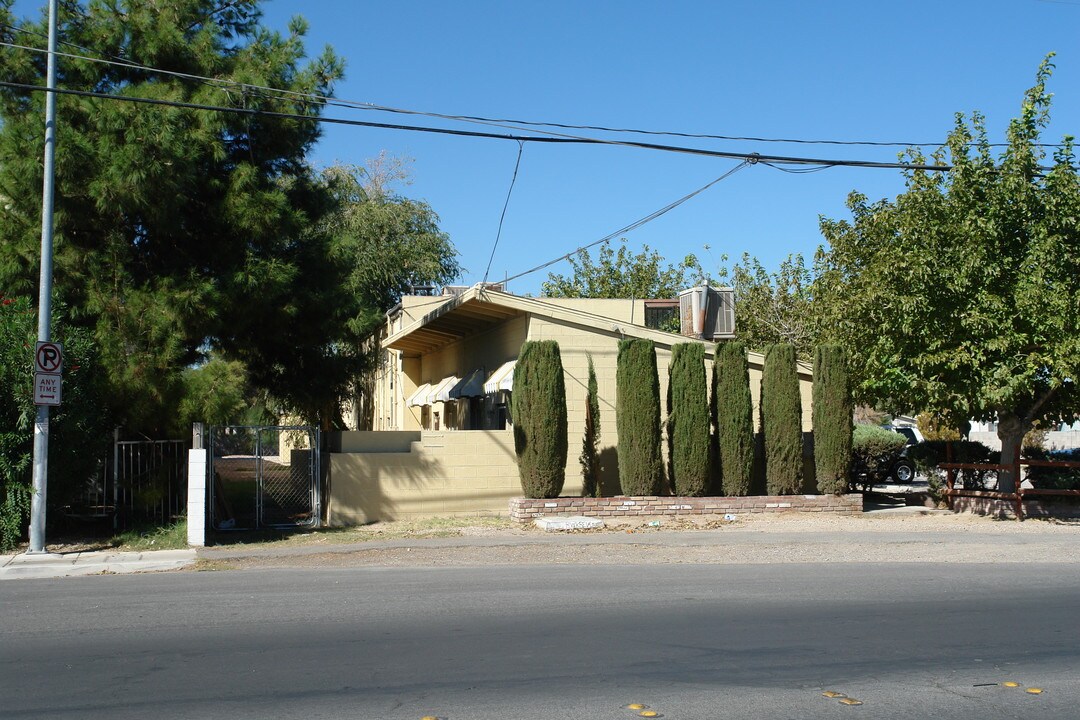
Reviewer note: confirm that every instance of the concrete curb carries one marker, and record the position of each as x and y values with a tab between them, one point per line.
54	565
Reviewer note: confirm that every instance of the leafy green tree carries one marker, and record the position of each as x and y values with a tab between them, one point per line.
80	429
367	250
733	411
775	307
960	297
637	415
590	444
781	421
387	242
832	413
539	412
173	225
219	392
622	274
688	420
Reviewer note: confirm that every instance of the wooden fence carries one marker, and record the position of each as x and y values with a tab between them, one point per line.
1017	498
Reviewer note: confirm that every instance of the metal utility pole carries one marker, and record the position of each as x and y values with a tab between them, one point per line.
41	423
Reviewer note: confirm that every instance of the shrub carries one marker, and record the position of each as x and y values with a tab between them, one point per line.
539	412
80	430
832	420
688	420
927	455
637	412
590	451
781	421
874	451
1051	478
733	410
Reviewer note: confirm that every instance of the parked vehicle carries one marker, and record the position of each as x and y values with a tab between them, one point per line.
903	470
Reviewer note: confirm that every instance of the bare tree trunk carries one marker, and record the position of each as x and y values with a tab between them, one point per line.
1011	431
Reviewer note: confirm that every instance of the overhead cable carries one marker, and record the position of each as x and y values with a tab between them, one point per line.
509	123
787	160
636	224
502	217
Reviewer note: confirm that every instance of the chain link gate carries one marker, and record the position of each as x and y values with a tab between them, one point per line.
264	477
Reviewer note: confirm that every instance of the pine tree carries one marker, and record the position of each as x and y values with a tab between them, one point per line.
781	419
688	420
832	413
173	225
539	412
590	451
637	414
734	413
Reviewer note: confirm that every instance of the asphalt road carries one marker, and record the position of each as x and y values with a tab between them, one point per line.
690	641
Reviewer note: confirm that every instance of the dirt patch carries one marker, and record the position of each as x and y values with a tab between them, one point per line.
784	538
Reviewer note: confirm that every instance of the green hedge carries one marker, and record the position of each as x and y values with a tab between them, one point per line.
538	407
927	455
781	420
874	451
1049	478
637	413
832	413
733	415
688	420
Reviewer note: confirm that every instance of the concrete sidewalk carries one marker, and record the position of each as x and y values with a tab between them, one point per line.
52	565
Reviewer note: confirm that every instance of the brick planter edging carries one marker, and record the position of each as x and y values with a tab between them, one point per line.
528	509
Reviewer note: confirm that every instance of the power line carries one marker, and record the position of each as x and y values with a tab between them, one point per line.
757	157
497	122
636	224
513	180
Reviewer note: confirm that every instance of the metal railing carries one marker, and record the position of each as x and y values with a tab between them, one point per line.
141	481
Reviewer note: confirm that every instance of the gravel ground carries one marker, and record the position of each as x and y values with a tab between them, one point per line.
785	538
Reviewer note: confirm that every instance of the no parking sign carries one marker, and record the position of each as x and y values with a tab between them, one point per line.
49	362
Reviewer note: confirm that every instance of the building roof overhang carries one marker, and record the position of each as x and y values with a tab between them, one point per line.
479	309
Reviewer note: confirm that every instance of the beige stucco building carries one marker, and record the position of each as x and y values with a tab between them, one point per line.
436	438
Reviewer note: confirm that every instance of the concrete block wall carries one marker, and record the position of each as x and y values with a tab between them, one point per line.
527	509
446	474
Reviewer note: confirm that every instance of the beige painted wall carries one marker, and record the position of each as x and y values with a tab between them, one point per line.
445	474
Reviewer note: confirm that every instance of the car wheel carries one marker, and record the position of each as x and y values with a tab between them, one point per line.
904	472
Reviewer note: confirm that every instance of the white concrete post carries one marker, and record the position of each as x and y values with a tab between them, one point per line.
196	498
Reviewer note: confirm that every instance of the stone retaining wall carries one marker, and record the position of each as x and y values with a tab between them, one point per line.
527	509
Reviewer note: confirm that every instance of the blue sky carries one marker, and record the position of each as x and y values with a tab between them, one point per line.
834	70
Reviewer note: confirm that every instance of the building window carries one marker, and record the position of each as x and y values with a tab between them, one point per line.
662	315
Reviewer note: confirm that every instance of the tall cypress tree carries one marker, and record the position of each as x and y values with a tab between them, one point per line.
688	420
637	414
832	419
781	417
734	414
539	412
590	454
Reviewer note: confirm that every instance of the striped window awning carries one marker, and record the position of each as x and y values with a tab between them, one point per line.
419	397
501	379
